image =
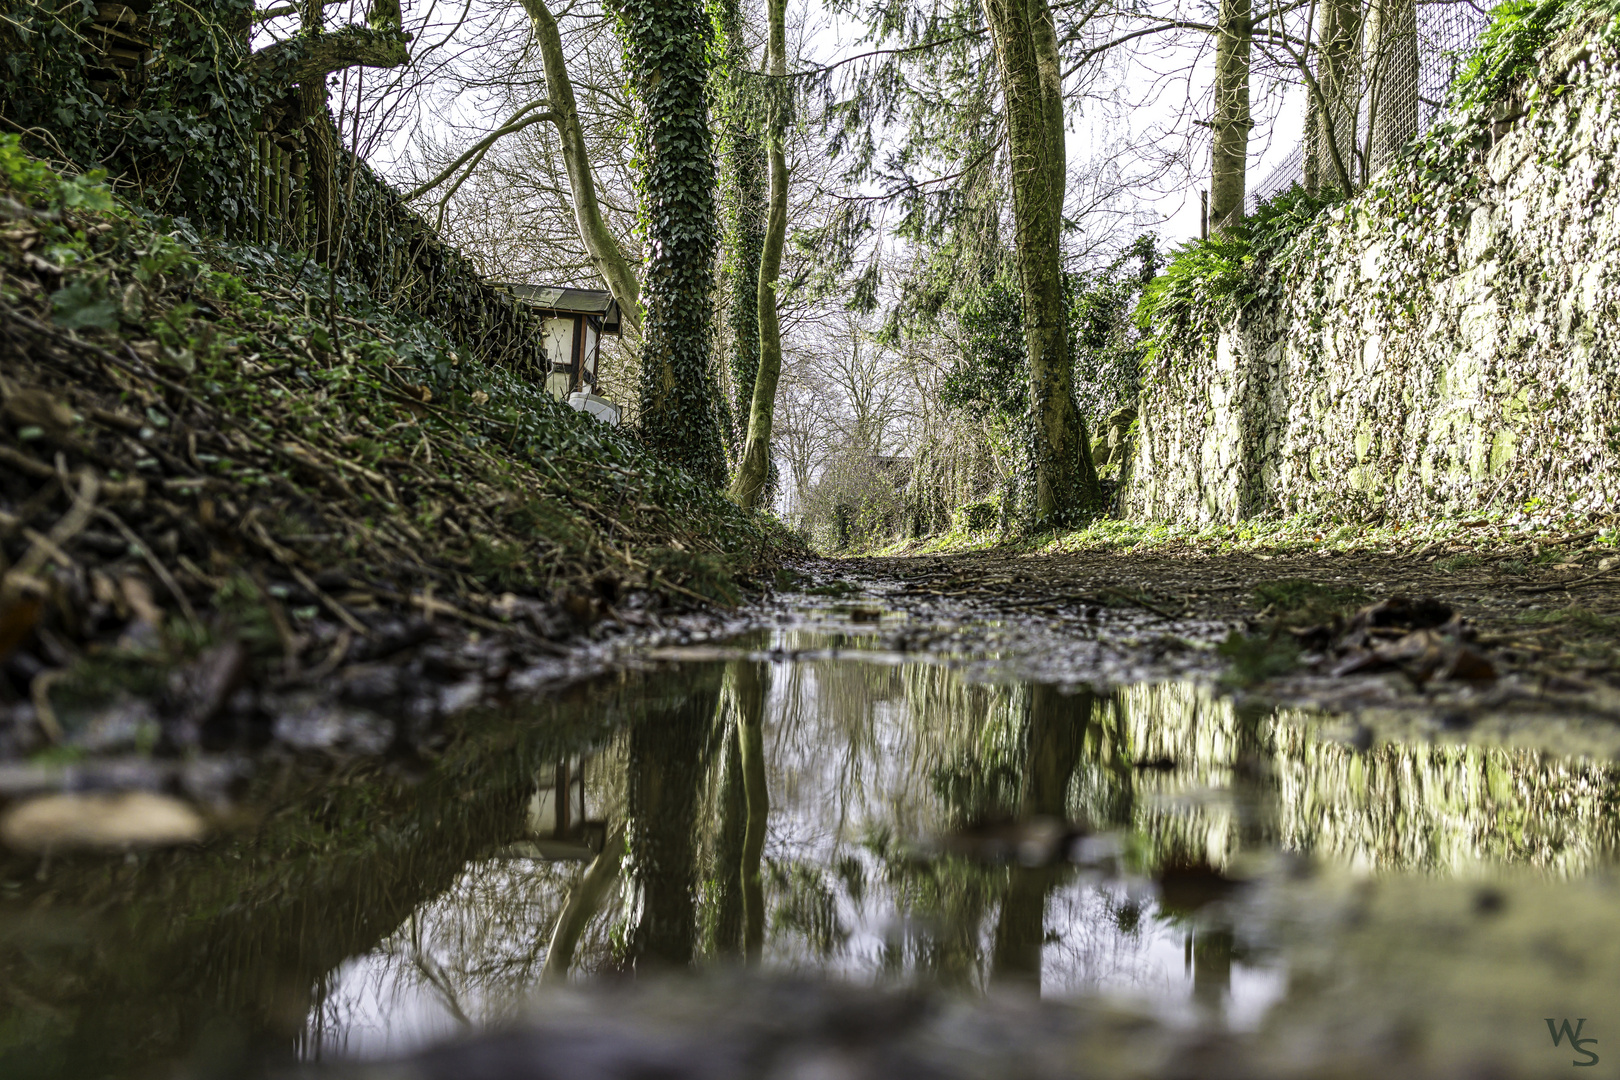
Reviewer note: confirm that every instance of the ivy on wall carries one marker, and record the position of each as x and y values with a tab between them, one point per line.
179	128
1208	282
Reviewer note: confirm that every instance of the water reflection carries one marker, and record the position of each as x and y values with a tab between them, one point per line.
790	814
884	822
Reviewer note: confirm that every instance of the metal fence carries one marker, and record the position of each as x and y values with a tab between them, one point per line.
1406	54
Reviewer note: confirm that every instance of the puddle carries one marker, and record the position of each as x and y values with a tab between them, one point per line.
1213	867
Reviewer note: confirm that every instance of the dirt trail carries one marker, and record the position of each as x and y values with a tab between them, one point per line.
1512	649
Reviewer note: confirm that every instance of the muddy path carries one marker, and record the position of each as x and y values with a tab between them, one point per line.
1517	644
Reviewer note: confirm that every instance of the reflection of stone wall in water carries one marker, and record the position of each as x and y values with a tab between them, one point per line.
1393	806
1411	357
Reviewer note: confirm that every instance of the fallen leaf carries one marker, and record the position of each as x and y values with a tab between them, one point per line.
1468	665
103	821
1404	613
17	622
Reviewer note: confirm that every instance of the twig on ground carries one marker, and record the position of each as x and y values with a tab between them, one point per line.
158	568
342	613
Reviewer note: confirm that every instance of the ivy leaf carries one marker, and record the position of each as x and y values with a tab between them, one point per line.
82	304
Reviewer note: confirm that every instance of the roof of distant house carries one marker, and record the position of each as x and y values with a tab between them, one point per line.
569	301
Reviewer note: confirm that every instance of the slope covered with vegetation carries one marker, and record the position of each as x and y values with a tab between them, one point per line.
225	462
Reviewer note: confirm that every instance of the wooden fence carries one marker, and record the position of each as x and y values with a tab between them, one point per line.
392	250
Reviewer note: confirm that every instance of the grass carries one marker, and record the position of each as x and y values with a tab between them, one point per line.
1255	659
1573	617
1301	602
1479	533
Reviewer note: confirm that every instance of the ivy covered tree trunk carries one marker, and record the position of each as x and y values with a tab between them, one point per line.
752	686
743	168
665	45
1229	154
753	470
1032	84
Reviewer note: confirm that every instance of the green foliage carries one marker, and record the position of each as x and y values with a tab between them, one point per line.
1207	281
990	374
1505	54
37	184
977	516
182	127
666	45
1106	344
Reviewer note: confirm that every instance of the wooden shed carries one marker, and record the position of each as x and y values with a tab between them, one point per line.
575	321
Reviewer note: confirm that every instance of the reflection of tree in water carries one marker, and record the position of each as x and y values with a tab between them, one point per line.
1273	779
670	744
473	949
862	761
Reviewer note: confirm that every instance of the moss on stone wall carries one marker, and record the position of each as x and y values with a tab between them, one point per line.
1441	342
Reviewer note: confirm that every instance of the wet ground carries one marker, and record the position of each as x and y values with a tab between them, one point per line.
958	817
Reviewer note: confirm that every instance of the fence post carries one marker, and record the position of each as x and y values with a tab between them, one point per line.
261	187
300	198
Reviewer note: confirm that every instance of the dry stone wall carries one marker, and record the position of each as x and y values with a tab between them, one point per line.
1432	346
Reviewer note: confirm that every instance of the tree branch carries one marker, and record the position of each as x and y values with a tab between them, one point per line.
311	58
600	243
515	123
1098	50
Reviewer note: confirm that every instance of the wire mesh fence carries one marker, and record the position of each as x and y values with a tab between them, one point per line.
1389	85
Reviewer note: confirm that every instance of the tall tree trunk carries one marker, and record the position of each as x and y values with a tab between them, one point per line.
1032	83
726	923
1229	154
601	246
666	765
744	167
584	901
751	743
755	466
666	44
1331	131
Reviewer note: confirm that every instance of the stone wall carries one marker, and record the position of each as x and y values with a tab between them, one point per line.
1441	343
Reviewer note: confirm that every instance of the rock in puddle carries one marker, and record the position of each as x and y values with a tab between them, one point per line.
100	821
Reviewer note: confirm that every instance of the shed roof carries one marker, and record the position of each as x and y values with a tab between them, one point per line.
570	301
